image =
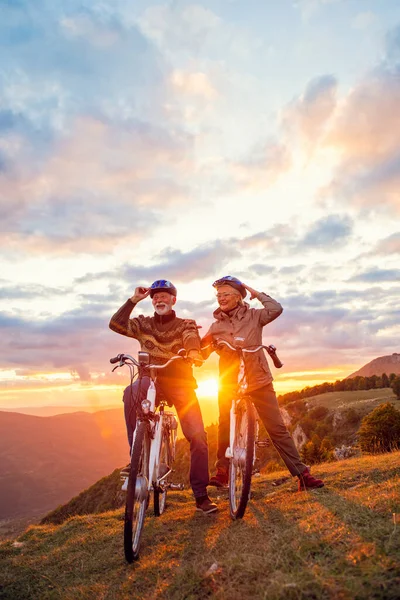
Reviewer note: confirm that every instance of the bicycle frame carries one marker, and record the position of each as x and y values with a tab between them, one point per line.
243	433
150	445
235	407
152	415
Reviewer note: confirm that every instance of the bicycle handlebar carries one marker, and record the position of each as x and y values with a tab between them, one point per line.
271	349
122	358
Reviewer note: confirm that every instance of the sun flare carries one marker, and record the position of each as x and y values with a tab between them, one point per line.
207	388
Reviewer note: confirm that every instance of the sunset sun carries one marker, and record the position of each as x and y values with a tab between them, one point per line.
207	388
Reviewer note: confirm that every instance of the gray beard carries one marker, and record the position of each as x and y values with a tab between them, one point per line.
162	310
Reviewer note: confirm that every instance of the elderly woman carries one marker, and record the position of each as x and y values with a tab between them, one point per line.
235	320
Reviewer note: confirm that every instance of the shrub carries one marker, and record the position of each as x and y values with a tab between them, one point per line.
318	412
380	430
317	450
351	416
395	385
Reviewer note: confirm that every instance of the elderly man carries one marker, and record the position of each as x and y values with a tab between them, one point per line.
162	335
234	319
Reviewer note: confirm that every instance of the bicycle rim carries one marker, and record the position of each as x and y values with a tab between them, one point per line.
241	464
137	493
160	496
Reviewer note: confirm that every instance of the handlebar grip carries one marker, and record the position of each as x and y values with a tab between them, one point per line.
115	359
275	359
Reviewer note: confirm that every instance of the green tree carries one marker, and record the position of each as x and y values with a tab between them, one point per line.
362	384
396	386
350	385
380	430
385	380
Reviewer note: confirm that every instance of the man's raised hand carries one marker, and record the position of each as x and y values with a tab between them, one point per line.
140	294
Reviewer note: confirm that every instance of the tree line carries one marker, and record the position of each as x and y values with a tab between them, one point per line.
345	385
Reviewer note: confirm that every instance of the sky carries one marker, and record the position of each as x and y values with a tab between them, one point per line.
190	140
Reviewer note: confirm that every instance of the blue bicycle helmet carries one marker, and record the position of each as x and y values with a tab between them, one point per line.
233	282
162	285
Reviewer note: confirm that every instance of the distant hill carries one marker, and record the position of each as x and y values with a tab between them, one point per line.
50	411
47	460
384	364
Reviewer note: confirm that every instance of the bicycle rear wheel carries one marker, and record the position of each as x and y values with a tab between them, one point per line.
137	493
165	461
241	463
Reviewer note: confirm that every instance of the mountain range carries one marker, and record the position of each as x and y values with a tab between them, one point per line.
383	364
45	460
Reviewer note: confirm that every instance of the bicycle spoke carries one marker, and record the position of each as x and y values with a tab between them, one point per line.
241	463
160	492
137	493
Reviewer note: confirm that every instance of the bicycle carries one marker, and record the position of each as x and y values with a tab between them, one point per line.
243	436
152	453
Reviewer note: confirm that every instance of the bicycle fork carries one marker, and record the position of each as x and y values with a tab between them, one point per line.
233	452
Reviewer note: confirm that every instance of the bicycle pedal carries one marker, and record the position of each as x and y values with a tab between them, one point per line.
176	486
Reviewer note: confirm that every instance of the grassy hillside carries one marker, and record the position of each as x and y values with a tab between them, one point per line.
363	400
339	542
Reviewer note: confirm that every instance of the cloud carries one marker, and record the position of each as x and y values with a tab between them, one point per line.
185	266
98	62
309	8
27	292
262	166
327	231
172	27
353	135
101	186
364	20
178	266
365	135
87	153
193	84
287	239
387	246
308	115
268	239
330	327
377	276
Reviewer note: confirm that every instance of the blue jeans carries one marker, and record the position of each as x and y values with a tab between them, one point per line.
189	414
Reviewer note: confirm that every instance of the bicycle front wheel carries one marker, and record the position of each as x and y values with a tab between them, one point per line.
164	465
137	493
241	463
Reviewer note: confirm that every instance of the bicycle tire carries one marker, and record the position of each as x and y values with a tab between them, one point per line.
165	457
135	507
241	464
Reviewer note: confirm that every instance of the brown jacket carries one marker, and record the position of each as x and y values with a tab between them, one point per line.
162	337
243	325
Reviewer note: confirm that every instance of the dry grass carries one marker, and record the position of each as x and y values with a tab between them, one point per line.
340	542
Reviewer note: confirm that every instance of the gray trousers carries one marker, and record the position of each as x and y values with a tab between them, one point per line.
187	407
264	399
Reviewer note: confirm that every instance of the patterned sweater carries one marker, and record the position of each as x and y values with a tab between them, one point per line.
161	336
